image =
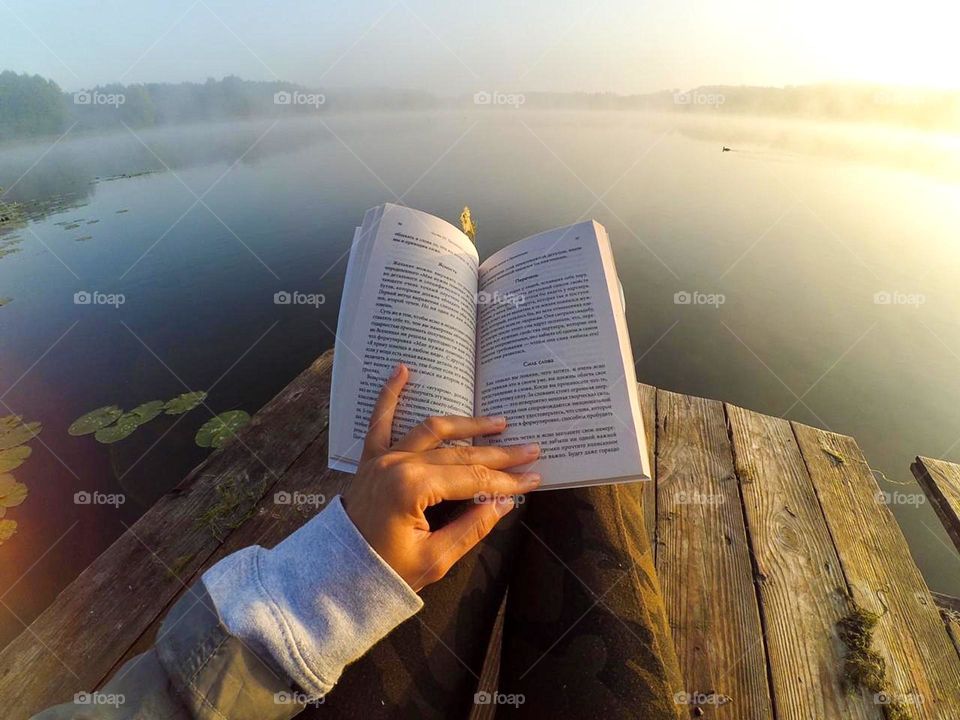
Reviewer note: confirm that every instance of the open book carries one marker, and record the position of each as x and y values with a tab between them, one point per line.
536	333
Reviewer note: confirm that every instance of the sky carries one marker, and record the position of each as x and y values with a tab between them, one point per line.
449	48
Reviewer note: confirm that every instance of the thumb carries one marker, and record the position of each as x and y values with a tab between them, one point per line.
457	538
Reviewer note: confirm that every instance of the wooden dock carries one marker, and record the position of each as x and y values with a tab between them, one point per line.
766	534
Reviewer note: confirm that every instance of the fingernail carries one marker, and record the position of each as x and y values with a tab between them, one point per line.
396	371
503	505
531	449
498	421
532	480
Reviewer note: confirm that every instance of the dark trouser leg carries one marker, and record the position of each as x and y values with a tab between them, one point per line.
586	632
429	666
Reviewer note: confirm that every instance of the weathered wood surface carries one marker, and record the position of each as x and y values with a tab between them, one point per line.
922	662
801	586
763	532
76	641
703	561
648	406
940	481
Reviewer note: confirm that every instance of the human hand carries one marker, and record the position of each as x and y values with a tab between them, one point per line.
394	485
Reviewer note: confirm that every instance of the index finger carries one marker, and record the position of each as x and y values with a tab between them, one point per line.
377	441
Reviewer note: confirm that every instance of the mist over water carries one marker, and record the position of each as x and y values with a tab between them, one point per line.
833	247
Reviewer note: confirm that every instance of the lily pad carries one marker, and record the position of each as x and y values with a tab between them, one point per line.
13	494
184	403
218	430
7	481
7	529
94	420
14	432
123	427
12	458
147	411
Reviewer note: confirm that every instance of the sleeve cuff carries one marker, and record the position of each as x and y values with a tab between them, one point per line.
314	603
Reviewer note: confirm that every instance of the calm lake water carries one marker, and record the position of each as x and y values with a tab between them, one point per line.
798	229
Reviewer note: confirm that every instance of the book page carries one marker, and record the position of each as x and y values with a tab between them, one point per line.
409	296
553	356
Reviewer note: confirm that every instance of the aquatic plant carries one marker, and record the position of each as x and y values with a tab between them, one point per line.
123	427
12	458
864	667
7	529
5	301
13	431
184	403
12	493
221	428
147	411
94	420
235	504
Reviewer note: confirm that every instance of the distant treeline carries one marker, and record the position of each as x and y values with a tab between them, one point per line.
34	106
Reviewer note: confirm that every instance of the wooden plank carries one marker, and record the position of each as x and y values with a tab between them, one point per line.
704	561
132	582
922	663
940	481
950	612
490	674
648	408
802	590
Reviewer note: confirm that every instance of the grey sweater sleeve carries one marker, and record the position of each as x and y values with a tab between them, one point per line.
314	603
